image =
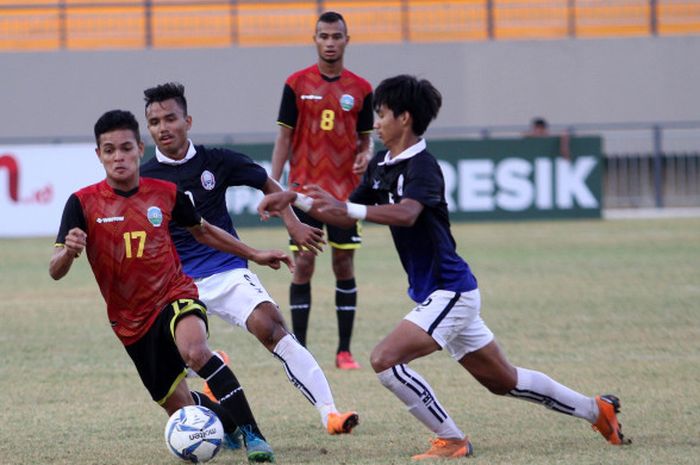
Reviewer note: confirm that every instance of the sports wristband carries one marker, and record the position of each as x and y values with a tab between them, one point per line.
356	210
303	202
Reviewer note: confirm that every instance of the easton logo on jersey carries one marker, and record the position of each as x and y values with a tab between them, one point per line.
155	216
208	180
347	101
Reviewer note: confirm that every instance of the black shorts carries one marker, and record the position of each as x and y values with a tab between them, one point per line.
155	355
339	238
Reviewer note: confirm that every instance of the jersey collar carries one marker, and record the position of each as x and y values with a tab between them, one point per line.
410	152
191	152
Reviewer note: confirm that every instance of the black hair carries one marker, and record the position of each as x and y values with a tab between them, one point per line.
114	120
167	91
332	17
407	93
539	122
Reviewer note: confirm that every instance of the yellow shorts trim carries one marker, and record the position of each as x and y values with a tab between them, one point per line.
182	306
177	381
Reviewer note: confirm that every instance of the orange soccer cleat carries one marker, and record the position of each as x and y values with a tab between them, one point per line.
342	423
447	449
607	424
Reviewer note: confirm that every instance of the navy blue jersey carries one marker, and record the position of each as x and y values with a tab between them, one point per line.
205	178
427	249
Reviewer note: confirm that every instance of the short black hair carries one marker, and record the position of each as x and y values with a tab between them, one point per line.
332	17
408	93
114	120
539	123
167	91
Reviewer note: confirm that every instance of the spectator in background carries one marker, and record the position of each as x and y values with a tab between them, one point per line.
540	128
325	121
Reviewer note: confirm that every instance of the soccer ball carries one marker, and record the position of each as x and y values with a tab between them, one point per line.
194	434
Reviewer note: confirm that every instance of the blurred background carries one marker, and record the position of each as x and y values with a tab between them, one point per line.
624	71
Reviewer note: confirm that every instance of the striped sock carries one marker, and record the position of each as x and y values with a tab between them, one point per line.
539	388
419	398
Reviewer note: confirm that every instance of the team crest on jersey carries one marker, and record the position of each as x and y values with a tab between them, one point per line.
347	101
208	180
155	216
399	186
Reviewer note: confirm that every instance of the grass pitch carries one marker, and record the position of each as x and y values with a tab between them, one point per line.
602	306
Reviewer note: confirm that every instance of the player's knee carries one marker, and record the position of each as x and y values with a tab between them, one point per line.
499	386
196	356
381	360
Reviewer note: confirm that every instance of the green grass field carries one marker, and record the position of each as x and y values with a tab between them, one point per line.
602	306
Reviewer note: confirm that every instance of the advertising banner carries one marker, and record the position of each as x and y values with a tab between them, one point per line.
36	181
490	179
485	179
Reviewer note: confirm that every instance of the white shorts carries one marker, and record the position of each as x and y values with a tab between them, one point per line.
232	295
453	320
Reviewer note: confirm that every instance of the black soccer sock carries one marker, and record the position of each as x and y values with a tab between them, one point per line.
300	303
345	303
227	389
226	420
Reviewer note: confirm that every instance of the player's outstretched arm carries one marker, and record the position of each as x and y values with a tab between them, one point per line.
217	238
302	234
62	258
330	210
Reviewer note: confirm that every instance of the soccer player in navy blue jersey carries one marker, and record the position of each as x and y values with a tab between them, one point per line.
404	189
226	285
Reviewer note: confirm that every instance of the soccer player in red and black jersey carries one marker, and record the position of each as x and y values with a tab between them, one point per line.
325	122
122	225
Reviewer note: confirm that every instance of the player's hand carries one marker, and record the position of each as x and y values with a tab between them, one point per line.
273	204
75	242
308	237
273	259
360	165
325	202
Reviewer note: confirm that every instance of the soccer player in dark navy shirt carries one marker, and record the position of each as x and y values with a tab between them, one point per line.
122	225
404	189
231	290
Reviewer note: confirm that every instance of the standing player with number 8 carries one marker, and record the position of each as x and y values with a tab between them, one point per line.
325	122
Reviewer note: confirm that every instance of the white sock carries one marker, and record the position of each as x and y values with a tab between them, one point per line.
420	400
539	388
305	374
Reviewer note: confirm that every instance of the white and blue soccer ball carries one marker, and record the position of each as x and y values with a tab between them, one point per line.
194	434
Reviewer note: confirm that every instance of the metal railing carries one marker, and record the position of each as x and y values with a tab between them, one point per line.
134	24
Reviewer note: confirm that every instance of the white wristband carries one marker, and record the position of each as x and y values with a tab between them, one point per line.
356	210
303	202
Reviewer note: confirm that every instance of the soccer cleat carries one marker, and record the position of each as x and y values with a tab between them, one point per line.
205	389
233	441
447	449
607	424
345	361
342	423
257	448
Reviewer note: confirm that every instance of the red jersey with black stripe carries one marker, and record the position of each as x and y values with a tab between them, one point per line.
132	254
330	112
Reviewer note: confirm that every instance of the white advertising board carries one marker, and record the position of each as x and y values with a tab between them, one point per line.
36	181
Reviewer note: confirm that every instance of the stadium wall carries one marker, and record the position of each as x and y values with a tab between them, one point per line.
57	96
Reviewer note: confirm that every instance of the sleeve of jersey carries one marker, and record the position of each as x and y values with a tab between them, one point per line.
184	213
363	193
365	119
241	170
288	108
73	217
424	182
